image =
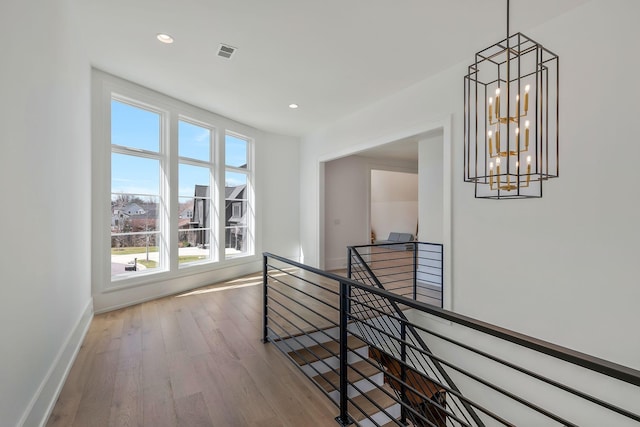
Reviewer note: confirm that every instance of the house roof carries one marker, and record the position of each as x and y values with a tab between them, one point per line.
232	193
201	191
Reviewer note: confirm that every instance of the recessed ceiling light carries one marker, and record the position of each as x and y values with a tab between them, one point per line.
165	38
293	106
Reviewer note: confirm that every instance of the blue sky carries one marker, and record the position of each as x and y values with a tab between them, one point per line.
138	128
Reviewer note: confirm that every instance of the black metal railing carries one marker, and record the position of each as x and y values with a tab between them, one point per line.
356	342
411	269
401	272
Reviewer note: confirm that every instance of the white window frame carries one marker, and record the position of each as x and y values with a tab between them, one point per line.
161	157
249	197
104	86
210	164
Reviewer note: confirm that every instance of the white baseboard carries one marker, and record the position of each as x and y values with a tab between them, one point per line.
335	263
45	398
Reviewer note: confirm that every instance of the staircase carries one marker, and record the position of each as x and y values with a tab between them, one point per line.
392	376
372	401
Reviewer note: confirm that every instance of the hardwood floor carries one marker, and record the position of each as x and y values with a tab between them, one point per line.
193	359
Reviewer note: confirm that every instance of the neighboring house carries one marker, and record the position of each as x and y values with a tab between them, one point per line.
134	209
186	211
235	216
134	218
195	216
118	219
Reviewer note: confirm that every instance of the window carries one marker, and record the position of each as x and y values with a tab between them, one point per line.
195	176
238	218
174	207
237	211
135	189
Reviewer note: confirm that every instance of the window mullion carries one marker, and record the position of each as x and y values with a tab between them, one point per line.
171	155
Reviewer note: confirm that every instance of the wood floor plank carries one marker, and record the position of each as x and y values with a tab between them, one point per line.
182	374
95	406
126	405
239	386
159	413
192	411
71	394
189	360
171	333
194	341
290	404
222	410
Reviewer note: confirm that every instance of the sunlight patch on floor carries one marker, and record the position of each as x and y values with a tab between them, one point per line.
257	280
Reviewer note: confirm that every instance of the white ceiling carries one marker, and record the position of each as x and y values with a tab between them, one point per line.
333	57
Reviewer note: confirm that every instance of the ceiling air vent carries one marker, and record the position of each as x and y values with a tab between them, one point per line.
226	51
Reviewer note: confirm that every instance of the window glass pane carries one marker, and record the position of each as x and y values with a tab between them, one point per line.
134	213
189	251
233	180
134	175
193	141
193	181
235	213
135	229
194	232
236	241
194	214
134	127
235	152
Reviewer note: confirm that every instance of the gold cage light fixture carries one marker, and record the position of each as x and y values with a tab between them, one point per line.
511	119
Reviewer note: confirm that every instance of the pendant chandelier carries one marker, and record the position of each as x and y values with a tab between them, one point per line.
511	119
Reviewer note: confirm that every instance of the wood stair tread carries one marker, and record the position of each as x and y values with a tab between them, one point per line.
330	381
378	395
328	349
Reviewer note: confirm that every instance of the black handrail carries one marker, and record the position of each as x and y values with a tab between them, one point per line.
373	315
595	364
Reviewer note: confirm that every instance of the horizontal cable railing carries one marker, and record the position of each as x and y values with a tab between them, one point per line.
410	269
364	271
357	343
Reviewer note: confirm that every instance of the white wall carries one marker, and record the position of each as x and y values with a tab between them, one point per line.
561	268
394	203
346	208
45	176
346	197
278	172
431	188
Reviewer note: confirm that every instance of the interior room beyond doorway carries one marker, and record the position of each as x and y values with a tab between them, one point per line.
394	203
